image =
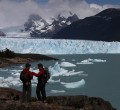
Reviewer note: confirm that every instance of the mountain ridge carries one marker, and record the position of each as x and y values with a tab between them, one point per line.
104	26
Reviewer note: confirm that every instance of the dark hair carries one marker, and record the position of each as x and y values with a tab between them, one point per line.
27	65
40	65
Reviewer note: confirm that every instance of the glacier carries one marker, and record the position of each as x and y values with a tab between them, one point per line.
56	46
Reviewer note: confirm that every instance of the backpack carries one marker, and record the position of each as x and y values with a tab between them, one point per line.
46	74
23	77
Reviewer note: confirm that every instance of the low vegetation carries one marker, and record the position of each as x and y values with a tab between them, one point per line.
7	53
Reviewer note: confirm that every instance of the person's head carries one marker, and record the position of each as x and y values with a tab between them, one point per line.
40	66
27	65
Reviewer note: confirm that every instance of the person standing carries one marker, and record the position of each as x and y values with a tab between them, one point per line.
40	90
27	83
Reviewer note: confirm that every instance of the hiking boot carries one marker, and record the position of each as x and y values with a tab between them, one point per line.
44	101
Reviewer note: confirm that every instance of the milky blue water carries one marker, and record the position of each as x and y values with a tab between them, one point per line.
98	78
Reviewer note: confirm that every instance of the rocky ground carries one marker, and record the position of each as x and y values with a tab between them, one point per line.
23	58
10	99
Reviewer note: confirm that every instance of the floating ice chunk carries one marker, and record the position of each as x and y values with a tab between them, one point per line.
99	60
53	81
15	82
73	60
82	74
10	81
67	64
63	59
57	70
72	73
57	91
91	61
74	85
15	74
1	69
3	85
83	63
87	61
1	79
15	70
21	66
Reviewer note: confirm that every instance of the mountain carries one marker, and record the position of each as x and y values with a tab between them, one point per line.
35	22
41	29
104	26
37	27
16	32
2	33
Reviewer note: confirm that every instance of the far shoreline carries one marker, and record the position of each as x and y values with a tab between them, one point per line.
23	58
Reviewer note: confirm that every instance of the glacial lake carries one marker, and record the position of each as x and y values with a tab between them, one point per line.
94	75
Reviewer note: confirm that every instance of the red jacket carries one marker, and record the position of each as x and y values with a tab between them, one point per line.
28	73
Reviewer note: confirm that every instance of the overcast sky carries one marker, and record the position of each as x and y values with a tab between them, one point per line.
16	12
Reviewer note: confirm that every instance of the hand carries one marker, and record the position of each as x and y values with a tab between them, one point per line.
27	83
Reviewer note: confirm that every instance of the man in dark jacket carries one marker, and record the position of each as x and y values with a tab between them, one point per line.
40	90
27	83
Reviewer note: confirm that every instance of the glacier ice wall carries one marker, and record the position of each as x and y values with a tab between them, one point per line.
51	46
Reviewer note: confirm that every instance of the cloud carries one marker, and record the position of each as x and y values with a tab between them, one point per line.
16	12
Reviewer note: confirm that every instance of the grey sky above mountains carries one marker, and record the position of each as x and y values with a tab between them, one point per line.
16	12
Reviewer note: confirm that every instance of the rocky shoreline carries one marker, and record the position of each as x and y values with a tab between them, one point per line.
23	58
10	99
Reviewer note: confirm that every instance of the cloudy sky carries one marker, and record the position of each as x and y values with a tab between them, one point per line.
16	12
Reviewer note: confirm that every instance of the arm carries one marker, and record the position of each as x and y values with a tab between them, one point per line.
39	74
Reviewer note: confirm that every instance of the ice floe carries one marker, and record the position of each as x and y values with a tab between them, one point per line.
91	61
67	64
57	91
73	85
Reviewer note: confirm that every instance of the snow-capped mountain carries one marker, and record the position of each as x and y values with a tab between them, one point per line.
2	33
15	32
37	27
104	26
49	29
35	22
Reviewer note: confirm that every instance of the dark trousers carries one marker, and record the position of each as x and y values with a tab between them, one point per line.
40	91
26	93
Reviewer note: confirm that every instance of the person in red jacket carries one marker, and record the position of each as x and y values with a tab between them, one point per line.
27	83
40	90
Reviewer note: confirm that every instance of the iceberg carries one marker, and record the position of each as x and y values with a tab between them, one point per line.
91	61
74	85
56	46
57	91
67	64
56	71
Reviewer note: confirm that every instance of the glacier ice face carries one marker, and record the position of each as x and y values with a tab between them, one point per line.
52	46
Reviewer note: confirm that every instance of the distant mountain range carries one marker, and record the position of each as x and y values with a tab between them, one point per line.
104	26
2	33
39	28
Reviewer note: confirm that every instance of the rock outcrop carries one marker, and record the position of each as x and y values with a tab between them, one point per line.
10	100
